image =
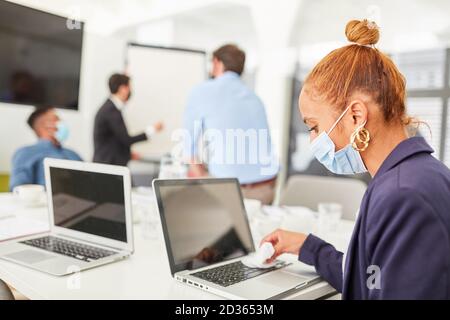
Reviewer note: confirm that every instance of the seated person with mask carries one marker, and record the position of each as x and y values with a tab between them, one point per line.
28	162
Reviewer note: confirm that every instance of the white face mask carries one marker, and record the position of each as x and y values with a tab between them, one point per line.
344	161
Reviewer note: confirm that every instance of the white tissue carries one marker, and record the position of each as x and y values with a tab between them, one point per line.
258	259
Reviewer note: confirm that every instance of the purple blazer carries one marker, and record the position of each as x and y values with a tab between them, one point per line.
400	247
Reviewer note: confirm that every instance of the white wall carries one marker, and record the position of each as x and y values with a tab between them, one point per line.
270	31
101	57
406	25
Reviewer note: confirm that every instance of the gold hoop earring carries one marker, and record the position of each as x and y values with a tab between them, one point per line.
360	136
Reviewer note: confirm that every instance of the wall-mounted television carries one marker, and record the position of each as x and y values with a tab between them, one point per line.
40	57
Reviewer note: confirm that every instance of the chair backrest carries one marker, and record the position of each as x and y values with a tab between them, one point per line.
309	191
4	182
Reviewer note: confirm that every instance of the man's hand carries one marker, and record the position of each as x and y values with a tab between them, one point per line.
285	242
197	171
159	126
135	156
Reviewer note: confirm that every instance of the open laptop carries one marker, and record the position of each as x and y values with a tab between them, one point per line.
207	234
90	220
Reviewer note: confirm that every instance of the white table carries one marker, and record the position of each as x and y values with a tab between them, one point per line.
145	275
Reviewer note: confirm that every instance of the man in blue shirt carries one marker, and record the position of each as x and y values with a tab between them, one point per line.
229	121
28	162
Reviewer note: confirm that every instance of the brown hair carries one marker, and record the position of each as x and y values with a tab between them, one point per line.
232	58
116	81
361	67
36	114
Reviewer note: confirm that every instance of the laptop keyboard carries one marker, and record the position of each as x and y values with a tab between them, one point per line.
68	248
233	273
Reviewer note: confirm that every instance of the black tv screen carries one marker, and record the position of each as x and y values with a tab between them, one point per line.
40	57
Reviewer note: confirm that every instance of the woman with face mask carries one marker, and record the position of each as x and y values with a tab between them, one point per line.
353	102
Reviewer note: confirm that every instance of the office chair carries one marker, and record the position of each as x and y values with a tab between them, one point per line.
309	191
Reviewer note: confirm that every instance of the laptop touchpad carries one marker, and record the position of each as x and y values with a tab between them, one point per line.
30	256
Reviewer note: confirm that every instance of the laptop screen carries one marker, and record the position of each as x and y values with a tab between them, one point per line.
89	202
204	222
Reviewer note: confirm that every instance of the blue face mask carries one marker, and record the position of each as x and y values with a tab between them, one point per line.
344	161
62	132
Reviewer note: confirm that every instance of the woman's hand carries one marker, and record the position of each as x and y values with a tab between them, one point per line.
285	242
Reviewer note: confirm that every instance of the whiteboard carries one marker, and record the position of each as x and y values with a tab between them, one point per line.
161	81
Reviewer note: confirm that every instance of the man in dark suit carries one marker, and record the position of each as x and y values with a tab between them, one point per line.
112	142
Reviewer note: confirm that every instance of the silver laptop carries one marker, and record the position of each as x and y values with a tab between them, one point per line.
207	234
90	220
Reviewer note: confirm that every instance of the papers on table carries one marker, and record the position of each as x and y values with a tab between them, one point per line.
15	227
9	205
7	208
6	212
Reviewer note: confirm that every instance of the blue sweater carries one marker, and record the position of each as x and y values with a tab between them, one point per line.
28	162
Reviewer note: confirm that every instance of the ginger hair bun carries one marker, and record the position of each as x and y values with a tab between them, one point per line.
362	32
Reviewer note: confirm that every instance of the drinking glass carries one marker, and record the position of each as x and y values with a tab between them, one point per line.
172	168
329	217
